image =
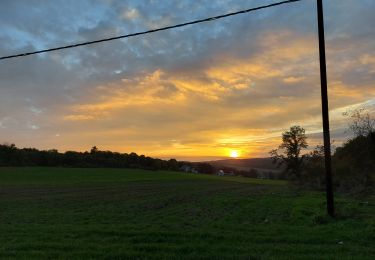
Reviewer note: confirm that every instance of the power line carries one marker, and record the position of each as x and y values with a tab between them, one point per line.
149	31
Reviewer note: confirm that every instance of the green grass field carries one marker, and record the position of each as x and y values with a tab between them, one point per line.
120	213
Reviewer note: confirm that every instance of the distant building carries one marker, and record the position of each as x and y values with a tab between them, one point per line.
222	173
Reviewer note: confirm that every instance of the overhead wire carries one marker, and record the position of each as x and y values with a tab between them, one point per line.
213	18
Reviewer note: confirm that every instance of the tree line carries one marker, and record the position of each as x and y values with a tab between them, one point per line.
11	156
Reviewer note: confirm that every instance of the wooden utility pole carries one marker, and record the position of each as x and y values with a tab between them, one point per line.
324	94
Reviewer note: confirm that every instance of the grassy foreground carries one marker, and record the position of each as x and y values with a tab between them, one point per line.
116	213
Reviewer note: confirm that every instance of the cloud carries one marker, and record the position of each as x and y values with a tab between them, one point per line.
130	14
293	80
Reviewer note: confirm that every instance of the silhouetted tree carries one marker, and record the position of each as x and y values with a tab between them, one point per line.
173	165
354	164
289	151
9	155
94	149
361	123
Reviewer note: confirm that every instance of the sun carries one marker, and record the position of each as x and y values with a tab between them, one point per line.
234	154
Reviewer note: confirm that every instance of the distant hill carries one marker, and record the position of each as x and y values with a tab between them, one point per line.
246	164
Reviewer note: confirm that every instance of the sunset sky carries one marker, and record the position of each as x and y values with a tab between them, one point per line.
200	92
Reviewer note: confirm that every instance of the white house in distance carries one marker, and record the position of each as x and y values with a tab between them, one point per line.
222	173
